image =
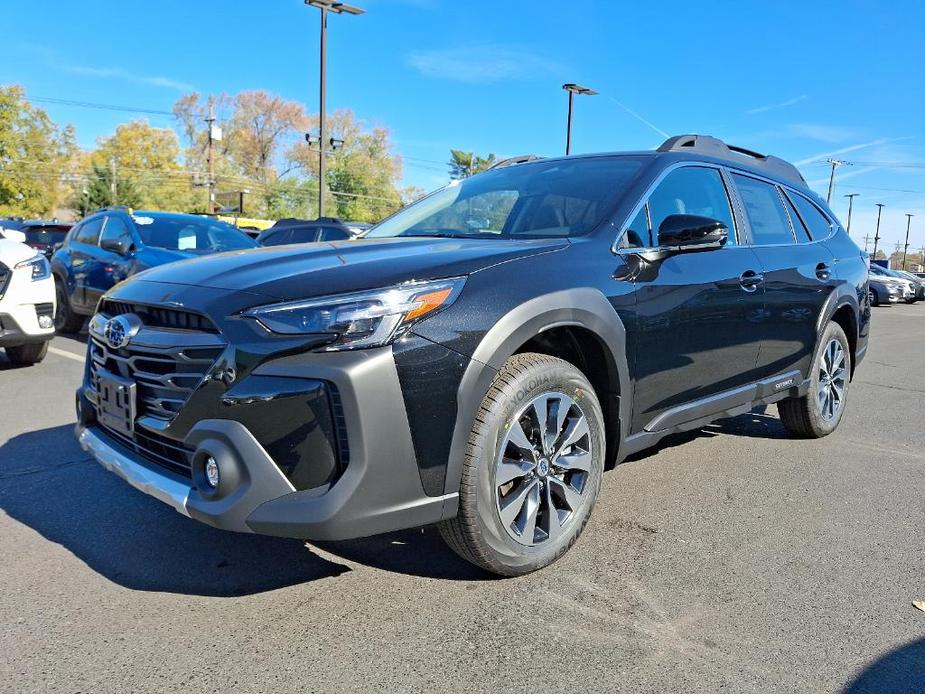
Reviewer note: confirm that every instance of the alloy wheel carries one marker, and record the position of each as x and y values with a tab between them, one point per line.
543	468
832	380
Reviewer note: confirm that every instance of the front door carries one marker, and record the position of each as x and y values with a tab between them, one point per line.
694	333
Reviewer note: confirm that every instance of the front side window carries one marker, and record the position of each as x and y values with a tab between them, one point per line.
767	217
89	231
195	234
565	197
816	223
115	229
695	190
333	234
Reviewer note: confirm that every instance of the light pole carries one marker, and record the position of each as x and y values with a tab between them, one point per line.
880	207
851	197
572	90
906	247
338	8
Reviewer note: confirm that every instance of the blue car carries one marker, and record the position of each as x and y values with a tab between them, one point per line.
113	244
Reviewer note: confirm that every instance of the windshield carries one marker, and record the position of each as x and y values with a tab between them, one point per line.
44	236
565	197
194	234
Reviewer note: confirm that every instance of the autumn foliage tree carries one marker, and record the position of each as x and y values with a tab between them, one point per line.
34	156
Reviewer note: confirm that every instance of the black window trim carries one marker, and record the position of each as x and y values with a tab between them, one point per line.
644	202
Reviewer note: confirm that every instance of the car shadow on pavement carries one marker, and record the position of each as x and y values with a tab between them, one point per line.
138	542
901	671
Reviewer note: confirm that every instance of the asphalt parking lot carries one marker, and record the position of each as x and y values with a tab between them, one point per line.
731	558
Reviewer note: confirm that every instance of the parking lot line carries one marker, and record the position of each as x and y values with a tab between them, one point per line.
64	353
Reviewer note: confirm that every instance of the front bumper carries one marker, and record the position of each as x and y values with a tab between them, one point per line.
22	303
380	490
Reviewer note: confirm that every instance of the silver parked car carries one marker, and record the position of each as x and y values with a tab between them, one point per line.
883	290
908	289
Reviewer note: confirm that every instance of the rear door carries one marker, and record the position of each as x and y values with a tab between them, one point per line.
84	251
694	333
798	271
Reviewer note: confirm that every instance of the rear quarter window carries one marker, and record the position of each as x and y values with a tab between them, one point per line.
816	223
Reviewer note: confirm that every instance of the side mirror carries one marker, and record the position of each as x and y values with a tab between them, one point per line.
121	245
691	232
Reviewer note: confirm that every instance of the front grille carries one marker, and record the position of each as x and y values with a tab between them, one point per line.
159	317
161	451
165	376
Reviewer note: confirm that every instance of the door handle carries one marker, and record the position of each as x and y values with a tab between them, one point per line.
822	271
749	280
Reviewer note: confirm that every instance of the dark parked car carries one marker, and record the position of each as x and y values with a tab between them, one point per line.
304	231
479	358
45	236
111	245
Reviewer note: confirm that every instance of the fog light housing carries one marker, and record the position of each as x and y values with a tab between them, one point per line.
211	469
46	322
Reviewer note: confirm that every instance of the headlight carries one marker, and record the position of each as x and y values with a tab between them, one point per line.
360	319
41	270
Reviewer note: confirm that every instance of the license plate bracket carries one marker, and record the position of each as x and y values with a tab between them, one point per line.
116	404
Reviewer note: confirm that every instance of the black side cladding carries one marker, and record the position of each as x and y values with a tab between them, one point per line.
429	375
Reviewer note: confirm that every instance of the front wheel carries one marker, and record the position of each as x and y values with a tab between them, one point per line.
533	467
27	355
818	413
874	297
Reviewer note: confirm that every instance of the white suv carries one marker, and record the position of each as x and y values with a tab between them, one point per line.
27	303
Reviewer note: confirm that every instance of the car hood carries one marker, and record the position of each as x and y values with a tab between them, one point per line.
12	252
151	255
304	270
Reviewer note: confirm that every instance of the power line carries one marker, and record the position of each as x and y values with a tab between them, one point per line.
101	107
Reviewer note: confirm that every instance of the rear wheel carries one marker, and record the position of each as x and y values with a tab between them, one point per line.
818	413
66	321
27	355
533	467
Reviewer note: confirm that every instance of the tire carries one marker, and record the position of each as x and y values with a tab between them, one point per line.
813	415
555	484
66	321
874	297
27	355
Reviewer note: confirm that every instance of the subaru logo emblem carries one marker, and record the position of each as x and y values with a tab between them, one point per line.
120	330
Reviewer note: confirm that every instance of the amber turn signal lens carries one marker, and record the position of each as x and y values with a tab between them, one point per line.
428	302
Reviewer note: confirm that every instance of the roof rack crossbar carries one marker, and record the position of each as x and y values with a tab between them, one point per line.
714	147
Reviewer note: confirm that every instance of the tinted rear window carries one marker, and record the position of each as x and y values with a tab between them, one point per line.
46	236
765	210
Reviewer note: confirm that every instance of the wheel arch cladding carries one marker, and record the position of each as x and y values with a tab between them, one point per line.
842	307
583	316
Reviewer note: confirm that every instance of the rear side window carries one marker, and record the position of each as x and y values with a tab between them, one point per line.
333	234
816	222
690	190
276	238
89	231
765	210
303	235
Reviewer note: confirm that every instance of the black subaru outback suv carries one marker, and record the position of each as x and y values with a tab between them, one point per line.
479	358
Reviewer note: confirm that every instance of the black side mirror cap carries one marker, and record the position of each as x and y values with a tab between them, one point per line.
122	246
691	232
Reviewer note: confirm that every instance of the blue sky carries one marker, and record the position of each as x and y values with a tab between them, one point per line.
802	80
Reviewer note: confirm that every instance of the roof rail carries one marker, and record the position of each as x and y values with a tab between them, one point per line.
714	147
112	208
510	161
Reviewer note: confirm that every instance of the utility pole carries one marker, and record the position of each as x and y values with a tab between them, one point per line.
572	90
880	207
338	8
210	164
866	242
835	164
906	247
851	197
113	190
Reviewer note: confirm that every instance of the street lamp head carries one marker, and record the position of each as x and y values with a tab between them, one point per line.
334	6
574	88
